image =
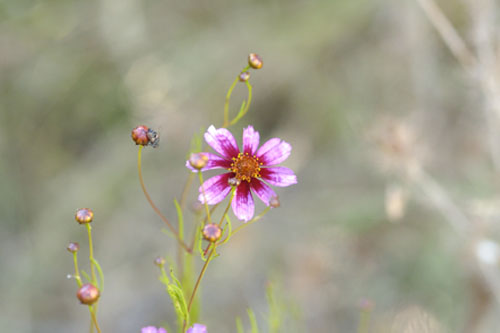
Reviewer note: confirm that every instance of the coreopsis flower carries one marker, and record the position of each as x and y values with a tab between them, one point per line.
248	169
152	329
197	328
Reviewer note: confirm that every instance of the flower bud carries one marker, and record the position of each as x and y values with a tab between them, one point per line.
84	215
159	261
255	60
140	135
73	247
198	160
212	232
244	76
274	202
233	181
88	294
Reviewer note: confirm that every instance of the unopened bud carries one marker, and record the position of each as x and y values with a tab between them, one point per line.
140	135
88	294
244	76
255	60
274	202
73	247
198	160
159	261
233	181
212	232
84	215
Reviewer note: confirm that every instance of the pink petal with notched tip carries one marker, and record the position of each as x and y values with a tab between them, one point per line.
250	140
274	151
243	205
278	176
264	192
222	141
215	189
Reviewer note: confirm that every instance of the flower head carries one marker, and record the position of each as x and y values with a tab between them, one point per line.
152	329
249	170
197	328
84	215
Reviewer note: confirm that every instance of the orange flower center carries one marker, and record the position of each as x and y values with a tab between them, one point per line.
245	167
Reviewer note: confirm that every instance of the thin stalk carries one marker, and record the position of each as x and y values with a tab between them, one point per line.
233	191
157	211
94	319
77	271
228	98
255	219
91	255
202	273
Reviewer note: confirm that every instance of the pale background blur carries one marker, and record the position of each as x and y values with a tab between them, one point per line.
341	81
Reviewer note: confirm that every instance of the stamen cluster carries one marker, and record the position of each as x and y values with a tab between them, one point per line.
245	167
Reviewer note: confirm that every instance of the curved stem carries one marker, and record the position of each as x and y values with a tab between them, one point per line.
94	320
157	211
228	98
255	219
77	271
233	191
202	273
91	255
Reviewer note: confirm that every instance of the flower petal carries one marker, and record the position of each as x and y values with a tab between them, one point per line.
197	328
274	151
264	192
278	176
214	162
250	140
216	189
243	206
222	141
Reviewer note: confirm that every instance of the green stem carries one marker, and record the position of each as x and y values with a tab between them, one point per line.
151	203
255	219
91	255
233	191
228	98
94	319
77	271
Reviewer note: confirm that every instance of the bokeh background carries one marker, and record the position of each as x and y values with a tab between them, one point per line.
394	144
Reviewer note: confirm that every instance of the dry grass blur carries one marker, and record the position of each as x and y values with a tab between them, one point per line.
395	143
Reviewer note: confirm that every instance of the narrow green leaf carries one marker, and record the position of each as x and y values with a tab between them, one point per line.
239	326
101	274
253	321
86	276
180	217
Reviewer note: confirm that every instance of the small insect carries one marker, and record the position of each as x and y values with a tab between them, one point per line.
154	138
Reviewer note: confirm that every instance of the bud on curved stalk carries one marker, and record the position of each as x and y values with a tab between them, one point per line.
145	136
243	77
198	160
73	247
255	61
212	232
88	294
159	261
84	215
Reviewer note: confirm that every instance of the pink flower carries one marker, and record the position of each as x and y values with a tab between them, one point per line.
252	169
152	329
197	328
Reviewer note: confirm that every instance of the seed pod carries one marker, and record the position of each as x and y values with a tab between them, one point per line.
255	60
140	135
212	232
244	76
198	160
274	202
159	261
84	215
73	247
88	294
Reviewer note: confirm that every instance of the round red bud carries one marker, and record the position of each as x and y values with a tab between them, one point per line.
73	247
159	261
140	135
244	76
212	232
84	215
255	60
88	294
198	160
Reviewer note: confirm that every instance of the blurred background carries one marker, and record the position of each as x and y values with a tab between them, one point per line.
395	144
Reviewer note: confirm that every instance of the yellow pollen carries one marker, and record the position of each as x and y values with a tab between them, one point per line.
245	167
